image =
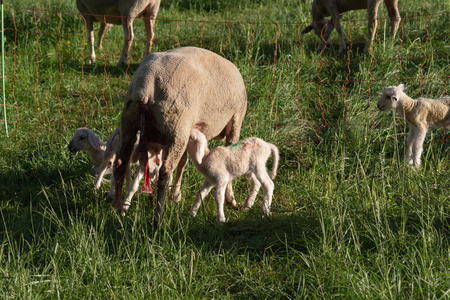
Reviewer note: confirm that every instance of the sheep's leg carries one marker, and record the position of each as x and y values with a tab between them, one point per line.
409	145
149	21
372	12
325	33
175	153
112	188
220	199
128	36
201	194
255	185
104	27
90	30
176	188
418	145
334	12
394	15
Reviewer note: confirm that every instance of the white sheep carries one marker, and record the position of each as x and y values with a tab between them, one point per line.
223	164
421	114
119	12
334	8
173	92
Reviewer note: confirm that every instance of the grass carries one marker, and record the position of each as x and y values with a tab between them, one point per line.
349	219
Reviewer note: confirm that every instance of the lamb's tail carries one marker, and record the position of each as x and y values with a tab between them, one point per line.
276	158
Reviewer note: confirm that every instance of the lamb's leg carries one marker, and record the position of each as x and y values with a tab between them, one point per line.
268	187
372	12
122	163
107	159
255	185
418	145
134	186
409	145
201	194
128	36
220	199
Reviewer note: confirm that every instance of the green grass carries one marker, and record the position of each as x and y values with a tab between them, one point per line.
349	219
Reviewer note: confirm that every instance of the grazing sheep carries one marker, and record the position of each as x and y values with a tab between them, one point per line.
223	164
420	114
85	139
109	12
174	92
335	9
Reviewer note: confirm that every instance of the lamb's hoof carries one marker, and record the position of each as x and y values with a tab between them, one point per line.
122	62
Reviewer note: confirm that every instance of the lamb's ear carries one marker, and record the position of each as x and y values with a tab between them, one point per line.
394	97
199	152
402	86
94	140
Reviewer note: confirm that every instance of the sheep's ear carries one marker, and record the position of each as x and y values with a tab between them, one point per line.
308	29
94	140
394	97
402	85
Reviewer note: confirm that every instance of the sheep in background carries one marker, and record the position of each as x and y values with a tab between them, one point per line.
109	12
421	114
335	9
85	139
223	164
173	92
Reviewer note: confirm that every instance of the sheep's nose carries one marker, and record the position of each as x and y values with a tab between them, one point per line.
379	106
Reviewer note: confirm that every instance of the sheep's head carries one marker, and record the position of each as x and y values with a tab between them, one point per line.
83	139
390	97
197	146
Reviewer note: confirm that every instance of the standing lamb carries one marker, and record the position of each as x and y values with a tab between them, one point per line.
223	164
336	8
109	12
420	114
174	92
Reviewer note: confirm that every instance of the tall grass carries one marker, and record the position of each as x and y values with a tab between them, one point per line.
349	219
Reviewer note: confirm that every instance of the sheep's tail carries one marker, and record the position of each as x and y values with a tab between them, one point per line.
276	158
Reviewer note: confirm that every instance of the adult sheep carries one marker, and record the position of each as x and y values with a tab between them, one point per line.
174	92
118	12
335	8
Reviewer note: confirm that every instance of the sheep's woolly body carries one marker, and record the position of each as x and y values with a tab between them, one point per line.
421	114
174	92
223	164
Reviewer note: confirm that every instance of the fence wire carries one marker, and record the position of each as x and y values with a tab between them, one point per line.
293	90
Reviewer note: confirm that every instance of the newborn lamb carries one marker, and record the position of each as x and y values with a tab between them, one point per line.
222	164
420	114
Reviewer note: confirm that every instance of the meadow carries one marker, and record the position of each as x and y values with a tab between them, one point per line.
350	220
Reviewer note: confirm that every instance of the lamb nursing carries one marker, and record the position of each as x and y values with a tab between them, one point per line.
421	114
171	93
223	164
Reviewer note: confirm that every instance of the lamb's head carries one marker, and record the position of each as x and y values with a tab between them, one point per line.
390	97
84	139
197	146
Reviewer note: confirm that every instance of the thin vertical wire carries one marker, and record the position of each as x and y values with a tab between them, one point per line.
3	74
